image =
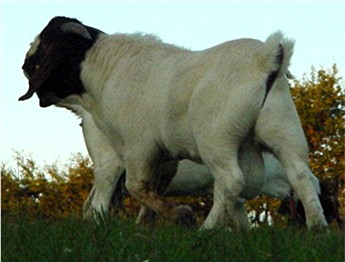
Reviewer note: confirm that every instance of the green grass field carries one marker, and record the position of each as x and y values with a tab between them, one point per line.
118	240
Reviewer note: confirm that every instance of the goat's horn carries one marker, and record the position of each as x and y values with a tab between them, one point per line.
76	28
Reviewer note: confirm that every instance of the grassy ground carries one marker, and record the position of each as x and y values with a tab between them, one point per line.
118	240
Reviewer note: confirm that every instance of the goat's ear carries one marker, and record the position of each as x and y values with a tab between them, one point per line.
49	62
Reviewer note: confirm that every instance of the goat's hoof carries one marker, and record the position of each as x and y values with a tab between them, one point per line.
186	216
88	215
319	227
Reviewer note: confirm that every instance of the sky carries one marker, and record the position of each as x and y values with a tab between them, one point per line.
53	135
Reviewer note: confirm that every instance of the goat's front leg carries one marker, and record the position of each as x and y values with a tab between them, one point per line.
160	182
141	175
108	168
105	181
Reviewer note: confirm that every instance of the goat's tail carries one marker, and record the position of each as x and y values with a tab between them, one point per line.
274	58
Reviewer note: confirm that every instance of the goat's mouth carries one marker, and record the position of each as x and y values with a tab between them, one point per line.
47	98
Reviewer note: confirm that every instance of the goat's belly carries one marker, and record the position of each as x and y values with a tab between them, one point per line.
179	142
190	178
184	150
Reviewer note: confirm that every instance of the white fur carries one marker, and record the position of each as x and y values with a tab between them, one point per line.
147	97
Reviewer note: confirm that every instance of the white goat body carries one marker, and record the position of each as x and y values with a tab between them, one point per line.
191	178
178	95
154	102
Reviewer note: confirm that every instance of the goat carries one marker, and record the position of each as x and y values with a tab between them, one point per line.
156	102
191	179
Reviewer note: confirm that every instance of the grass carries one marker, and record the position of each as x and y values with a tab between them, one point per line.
117	240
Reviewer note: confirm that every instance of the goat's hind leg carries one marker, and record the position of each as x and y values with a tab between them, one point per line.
278	127
300	177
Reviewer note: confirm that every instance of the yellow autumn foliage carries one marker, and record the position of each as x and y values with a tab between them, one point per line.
320	102
46	193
